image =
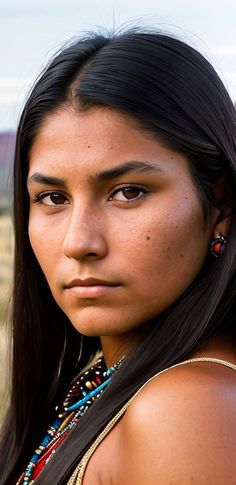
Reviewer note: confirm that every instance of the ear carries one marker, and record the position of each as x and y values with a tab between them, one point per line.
221	225
221	215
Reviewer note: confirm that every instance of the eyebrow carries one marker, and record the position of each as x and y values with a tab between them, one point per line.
109	174
45	180
132	166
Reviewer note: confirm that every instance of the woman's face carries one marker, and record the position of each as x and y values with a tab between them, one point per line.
115	220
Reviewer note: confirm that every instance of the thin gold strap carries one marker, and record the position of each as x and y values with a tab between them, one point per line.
78	474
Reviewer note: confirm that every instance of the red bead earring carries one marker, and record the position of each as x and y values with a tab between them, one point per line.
217	246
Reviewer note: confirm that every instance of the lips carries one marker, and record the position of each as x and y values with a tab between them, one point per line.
90	282
90	288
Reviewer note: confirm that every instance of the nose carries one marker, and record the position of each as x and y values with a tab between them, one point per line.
85	235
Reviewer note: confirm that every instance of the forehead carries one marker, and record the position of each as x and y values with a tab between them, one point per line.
101	126
101	137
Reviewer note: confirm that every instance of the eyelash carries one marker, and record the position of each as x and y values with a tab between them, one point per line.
39	199
131	187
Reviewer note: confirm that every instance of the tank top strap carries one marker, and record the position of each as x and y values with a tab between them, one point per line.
78	474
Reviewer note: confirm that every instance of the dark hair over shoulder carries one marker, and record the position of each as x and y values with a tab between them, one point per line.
174	93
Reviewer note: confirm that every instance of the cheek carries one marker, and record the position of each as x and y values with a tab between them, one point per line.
169	251
44	244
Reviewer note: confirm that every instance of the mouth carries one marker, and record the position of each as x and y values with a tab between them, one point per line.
90	288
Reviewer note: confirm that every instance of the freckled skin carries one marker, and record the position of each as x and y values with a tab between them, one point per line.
93	236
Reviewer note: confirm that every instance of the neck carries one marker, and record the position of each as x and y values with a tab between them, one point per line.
114	348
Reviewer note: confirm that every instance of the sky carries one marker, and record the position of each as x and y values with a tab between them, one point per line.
32	31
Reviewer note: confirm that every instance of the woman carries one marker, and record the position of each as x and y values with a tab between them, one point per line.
125	230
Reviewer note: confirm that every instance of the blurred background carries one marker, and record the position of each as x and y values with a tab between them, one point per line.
31	32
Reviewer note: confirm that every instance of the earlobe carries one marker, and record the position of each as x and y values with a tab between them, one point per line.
221	220
219	236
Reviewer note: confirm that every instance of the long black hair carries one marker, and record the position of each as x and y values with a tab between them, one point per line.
175	94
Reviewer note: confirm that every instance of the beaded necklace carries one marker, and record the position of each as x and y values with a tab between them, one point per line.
82	393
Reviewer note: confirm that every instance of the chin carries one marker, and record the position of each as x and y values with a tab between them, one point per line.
105	329
96	330
99	322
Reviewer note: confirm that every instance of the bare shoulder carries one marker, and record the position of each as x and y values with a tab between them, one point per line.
181	428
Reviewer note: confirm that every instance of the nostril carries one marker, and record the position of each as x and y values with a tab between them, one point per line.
86	255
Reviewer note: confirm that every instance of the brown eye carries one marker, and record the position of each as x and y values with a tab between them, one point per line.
53	199
56	198
131	192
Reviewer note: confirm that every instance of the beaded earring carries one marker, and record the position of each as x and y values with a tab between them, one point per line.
217	246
